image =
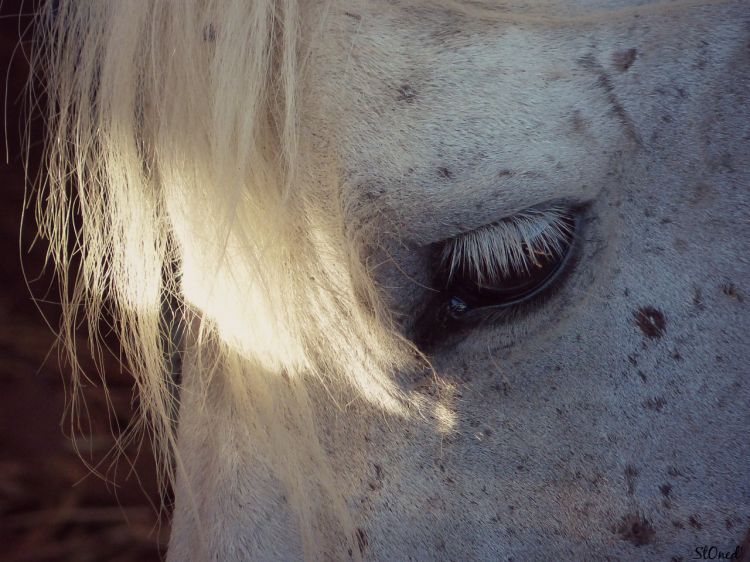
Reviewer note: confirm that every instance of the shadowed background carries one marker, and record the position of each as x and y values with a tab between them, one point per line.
52	506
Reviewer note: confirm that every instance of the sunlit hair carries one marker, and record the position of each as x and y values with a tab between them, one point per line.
175	175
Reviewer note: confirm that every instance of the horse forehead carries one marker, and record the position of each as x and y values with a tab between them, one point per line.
472	123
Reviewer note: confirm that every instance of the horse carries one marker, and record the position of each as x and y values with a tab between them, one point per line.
424	280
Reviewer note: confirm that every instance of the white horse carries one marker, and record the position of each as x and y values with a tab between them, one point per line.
456	280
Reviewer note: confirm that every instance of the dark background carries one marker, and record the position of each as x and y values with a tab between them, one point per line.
52	505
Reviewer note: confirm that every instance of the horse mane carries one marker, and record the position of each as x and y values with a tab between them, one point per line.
173	190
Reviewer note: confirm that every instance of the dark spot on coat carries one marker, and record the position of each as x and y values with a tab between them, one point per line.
725	161
630	475
378	483
503	388
505	173
651	322
637	529
676	559
374	193
577	122
731	291
665	489
209	33
656	404
698	298
605	83
353	15
406	93
633	361
695	523
445	173
361	540
728	524
623	60
678	524
701	193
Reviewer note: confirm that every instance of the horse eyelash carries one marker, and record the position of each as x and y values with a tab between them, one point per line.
493	252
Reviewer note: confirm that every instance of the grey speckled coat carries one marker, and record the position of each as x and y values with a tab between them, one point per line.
610	422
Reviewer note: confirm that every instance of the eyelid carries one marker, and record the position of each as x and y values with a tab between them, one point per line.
493	251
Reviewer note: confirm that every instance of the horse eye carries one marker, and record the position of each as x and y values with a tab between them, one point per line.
497	268
521	269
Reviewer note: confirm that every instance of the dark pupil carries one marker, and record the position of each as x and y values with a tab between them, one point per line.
515	287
